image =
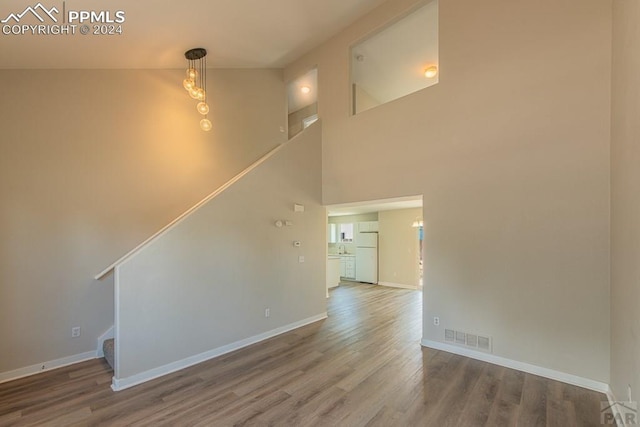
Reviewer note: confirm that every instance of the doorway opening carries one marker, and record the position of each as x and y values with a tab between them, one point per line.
375	242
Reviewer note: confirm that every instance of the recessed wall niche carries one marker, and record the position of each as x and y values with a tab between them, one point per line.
397	60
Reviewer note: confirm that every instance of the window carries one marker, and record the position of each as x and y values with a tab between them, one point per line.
396	61
302	97
346	232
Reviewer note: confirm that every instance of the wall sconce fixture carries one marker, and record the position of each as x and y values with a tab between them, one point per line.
196	83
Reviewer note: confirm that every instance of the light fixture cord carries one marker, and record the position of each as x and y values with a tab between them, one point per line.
204	77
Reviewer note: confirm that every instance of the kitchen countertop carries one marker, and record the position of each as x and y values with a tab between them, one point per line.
340	255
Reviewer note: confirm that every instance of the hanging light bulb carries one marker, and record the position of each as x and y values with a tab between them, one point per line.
188	84
196	83
203	108
205	124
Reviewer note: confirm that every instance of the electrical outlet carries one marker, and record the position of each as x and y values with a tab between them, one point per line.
301	259
436	321
75	332
267	312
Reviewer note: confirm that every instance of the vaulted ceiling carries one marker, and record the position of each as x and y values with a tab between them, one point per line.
155	34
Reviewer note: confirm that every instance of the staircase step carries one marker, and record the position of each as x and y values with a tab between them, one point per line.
109	350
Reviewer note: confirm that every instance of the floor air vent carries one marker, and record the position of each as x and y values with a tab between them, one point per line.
468	340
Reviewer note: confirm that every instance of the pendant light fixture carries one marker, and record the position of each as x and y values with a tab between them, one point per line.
196	83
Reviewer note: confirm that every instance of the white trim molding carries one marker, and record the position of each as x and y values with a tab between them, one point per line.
133	252
520	366
397	285
46	366
119	384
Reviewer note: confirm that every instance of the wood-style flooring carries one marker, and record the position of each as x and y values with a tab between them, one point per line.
363	366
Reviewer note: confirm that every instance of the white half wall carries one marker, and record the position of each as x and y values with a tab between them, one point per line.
206	283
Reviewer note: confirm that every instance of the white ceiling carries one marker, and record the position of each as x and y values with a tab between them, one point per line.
236	33
374	206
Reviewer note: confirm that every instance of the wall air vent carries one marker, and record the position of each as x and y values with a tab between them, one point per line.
449	335
472	340
484	343
464	339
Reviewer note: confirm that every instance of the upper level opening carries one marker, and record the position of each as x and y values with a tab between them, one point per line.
302	98
397	60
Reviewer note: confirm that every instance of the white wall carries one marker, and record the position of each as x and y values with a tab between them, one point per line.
92	162
625	201
511	153
206	283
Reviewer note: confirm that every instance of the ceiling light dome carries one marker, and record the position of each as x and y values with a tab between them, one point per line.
431	72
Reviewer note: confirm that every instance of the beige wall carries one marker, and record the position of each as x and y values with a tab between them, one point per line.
398	247
625	200
511	153
206	283
372	216
91	164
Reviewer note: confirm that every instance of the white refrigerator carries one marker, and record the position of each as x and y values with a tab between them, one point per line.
367	257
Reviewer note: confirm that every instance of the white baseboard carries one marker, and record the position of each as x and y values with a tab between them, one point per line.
397	285
520	366
46	366
102	338
124	383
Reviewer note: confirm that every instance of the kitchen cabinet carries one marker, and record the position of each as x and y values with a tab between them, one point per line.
348	266
368	227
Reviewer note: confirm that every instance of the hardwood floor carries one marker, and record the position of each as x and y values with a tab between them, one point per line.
363	366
